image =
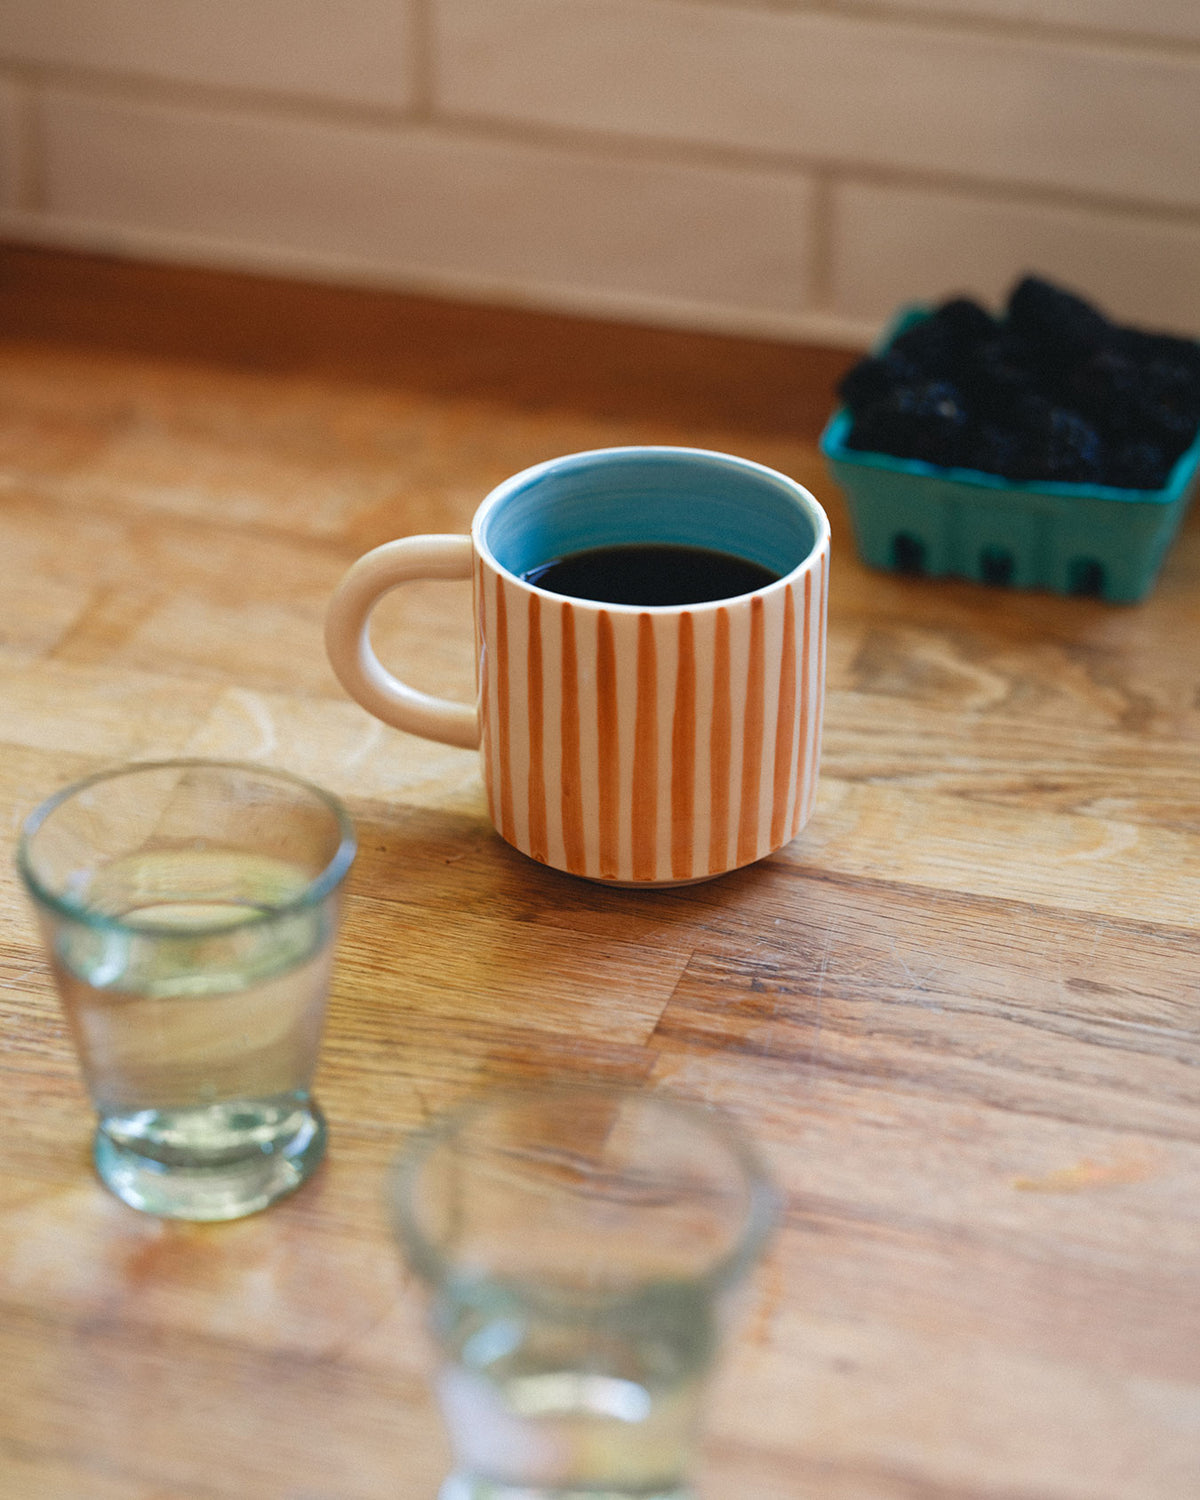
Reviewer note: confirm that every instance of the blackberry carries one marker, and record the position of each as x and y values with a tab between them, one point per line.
926	420
1055	321
872	379
967	324
996	450
1029	415
1155	400
929	345
1105	385
1171	398
943	342
1145	347
1063	447
1138	466
997	378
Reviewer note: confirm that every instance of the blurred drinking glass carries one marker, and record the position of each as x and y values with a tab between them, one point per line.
190	909
579	1245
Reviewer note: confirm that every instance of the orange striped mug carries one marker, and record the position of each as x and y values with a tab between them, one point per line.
633	743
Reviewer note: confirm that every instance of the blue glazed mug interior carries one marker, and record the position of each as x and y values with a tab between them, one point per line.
622	496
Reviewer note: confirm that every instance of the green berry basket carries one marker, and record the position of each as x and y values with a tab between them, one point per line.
914	517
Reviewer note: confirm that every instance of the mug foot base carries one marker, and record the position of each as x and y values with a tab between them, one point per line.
656	885
648	885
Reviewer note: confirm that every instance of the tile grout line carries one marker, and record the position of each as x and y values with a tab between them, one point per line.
821	271
423	67
30	186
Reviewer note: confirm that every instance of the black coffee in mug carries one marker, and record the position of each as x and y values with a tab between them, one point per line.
650	573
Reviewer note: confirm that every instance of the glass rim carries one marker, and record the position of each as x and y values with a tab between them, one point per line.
759	1219
310	895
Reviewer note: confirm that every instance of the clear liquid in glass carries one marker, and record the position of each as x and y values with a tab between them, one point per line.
541	1406
197	1017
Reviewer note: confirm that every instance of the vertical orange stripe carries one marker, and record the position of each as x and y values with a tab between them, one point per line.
752	737
805	706
683	754
785	721
572	774
537	774
504	728
719	747
606	716
819	691
481	679
645	754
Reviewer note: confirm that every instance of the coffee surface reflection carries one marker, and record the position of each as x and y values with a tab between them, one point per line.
650	573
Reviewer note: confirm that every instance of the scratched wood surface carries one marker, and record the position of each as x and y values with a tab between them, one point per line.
959	1012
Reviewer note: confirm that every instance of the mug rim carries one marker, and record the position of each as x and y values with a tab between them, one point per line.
523	478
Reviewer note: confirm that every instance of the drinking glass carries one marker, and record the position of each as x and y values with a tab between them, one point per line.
189	909
579	1246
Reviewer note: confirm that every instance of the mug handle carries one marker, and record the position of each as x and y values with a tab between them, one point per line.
348	644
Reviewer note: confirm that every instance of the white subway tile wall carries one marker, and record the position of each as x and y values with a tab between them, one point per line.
787	169
470	212
358	53
898	244
845	92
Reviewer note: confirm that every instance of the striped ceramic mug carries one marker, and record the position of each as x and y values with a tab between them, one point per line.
638	744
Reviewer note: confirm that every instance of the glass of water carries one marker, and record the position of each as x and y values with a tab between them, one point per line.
189	909
579	1246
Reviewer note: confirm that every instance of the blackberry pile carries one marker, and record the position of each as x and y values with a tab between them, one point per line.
1051	390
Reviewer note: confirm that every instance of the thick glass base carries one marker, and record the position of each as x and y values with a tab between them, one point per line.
471	1487
234	1185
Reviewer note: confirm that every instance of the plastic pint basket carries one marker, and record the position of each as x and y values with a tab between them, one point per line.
914	517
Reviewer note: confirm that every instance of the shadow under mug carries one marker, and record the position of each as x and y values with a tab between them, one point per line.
632	744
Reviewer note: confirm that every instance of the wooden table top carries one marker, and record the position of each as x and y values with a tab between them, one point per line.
959	1012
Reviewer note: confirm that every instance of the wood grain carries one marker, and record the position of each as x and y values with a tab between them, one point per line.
959	1011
